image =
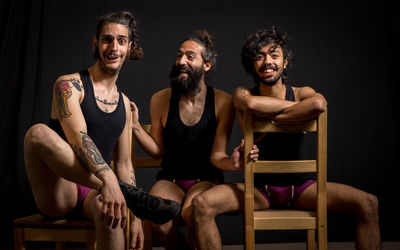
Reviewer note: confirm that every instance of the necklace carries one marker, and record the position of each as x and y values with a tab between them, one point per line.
105	102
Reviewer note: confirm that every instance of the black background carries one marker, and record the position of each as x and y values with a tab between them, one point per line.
348	51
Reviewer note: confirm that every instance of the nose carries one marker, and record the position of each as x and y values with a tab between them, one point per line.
114	45
268	59
181	60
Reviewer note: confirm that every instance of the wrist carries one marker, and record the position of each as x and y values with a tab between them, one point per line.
105	173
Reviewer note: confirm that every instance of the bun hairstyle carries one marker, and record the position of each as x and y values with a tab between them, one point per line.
125	18
204	38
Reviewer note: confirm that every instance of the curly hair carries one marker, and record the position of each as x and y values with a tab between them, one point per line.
125	18
256	41
204	38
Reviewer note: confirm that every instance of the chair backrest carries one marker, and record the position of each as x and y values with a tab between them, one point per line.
143	162
253	124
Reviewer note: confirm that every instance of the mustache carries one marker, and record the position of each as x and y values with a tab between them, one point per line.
271	66
113	54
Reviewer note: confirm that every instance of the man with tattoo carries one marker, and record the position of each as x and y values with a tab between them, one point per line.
266	57
68	162
191	125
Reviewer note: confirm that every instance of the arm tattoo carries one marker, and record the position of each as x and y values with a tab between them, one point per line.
133	178
81	156
104	168
63	92
76	84
91	150
92	153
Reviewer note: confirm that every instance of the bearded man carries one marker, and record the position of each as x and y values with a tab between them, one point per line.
191	125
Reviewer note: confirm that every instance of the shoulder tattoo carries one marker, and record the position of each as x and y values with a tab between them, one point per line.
63	91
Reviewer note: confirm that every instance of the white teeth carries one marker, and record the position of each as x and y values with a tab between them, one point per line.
270	70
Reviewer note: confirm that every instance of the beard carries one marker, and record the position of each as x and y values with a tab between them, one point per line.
189	85
273	80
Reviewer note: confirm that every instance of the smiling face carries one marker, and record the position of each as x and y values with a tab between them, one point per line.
112	47
269	64
188	72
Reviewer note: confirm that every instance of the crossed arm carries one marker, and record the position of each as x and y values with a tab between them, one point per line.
307	105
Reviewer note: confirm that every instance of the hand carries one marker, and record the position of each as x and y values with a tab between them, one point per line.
136	232
135	112
114	205
237	155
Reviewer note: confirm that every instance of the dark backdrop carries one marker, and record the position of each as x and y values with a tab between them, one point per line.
348	51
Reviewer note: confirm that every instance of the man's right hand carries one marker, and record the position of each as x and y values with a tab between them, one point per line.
114	205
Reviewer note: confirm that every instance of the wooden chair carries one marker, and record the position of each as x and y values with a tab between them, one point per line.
144	162
286	219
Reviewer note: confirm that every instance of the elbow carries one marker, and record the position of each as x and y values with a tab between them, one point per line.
250	105
319	104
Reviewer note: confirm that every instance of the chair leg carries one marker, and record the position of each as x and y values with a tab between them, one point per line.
91	241
148	233
310	239
60	245
19	243
322	238
250	239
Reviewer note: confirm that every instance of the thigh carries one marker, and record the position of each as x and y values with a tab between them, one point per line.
230	197
168	190
340	197
54	196
92	205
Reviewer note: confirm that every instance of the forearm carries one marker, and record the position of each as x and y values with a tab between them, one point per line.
261	105
125	172
90	157
148	144
304	110
223	162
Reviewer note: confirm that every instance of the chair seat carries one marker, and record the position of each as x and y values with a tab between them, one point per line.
37	228
38	221
284	219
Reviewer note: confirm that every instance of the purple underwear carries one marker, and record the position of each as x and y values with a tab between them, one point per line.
185	185
77	212
280	197
83	191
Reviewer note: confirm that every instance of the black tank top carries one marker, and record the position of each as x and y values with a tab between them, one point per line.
283	146
103	128
187	149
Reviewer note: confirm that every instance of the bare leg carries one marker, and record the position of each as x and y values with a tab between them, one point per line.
107	237
52	168
218	200
344	198
187	210
168	233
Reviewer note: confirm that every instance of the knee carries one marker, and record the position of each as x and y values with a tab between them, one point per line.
36	135
202	208
187	215
369	207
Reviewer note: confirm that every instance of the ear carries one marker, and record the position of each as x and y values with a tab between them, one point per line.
285	63
207	66
130	48
94	42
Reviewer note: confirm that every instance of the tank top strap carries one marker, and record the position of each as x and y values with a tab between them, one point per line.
289	96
